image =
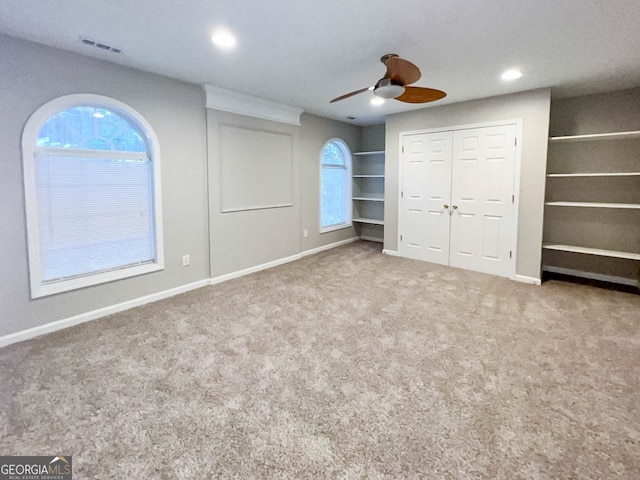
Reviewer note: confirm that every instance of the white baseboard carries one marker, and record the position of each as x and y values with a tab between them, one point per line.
95	314
154	297
525	279
371	239
590	275
254	269
280	261
313	251
393	253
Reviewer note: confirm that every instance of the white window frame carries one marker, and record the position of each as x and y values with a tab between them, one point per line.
39	288
348	185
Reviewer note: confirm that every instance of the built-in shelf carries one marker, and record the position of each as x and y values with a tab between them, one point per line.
373	152
373	221
602	174
606	162
369	199
593	251
368	194
597	136
594	205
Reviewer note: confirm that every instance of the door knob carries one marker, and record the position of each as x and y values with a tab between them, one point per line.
446	205
455	207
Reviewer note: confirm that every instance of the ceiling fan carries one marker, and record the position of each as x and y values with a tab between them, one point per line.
394	84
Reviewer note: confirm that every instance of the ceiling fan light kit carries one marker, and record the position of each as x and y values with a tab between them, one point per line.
387	89
400	73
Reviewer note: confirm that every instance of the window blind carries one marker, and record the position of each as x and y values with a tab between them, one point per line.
94	214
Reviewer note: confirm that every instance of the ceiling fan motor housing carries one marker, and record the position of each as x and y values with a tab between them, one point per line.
387	88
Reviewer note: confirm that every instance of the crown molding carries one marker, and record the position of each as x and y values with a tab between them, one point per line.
235	102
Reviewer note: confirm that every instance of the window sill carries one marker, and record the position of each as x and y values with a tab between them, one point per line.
333	228
39	290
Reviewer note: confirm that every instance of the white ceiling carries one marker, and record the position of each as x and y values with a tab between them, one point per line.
306	52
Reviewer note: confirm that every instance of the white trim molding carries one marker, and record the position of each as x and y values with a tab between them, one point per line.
154	297
242	104
392	253
95	314
280	261
525	279
348	181
30	150
313	251
254	269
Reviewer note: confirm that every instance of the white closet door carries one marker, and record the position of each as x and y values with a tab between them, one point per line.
482	189
425	205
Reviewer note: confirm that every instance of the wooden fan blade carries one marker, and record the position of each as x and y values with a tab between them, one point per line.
402	71
421	95
347	95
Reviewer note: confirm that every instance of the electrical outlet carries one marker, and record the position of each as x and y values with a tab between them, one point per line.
186	260
305	233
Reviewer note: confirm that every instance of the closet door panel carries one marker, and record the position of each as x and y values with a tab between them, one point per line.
466	217
425	219
482	189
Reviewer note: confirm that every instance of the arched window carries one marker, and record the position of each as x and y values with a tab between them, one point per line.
92	194
335	186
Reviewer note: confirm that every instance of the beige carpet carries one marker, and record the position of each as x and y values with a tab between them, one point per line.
344	365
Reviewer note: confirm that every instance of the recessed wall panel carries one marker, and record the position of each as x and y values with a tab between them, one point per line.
256	169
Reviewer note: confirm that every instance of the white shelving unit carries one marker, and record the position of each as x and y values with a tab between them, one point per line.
369	153
369	199
594	205
605	238
371	221
368	193
597	136
603	174
593	251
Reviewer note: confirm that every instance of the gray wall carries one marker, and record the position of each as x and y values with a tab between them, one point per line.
244	239
314	133
373	137
31	75
533	108
607	112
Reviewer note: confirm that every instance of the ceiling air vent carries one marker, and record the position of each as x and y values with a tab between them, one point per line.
101	46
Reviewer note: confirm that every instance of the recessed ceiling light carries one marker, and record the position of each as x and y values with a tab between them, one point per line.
511	74
224	39
377	101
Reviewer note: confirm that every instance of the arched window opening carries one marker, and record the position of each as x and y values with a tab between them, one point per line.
335	186
92	192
